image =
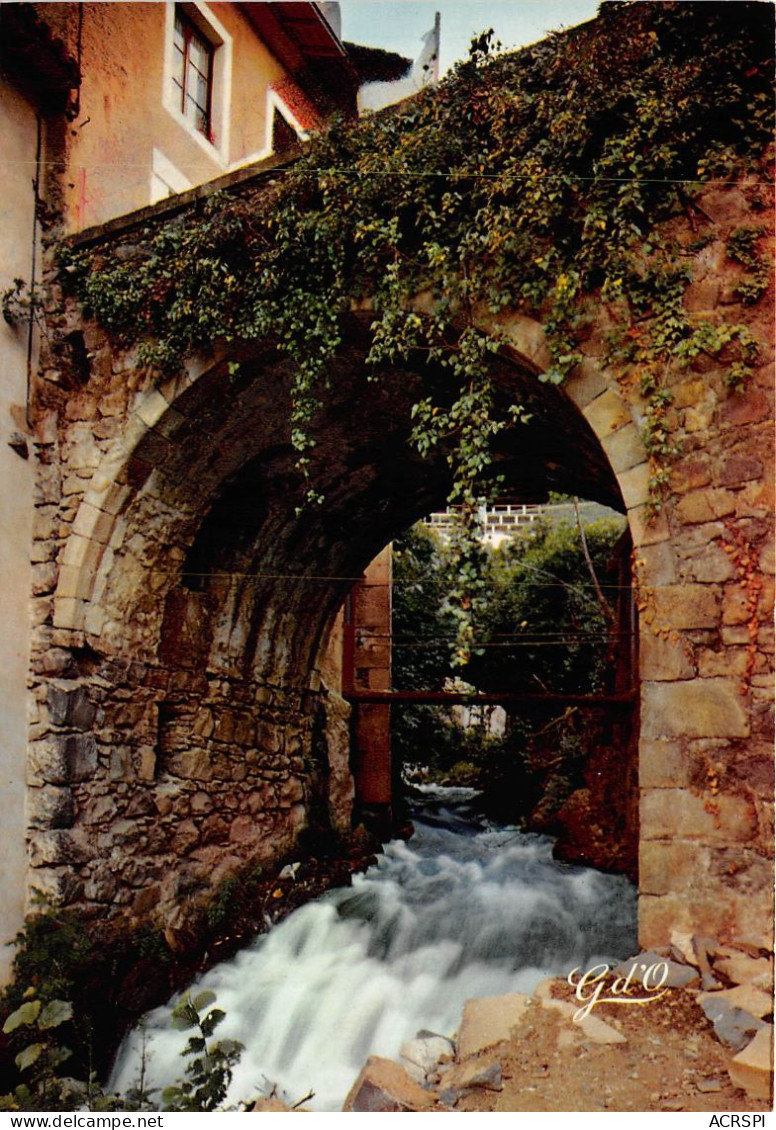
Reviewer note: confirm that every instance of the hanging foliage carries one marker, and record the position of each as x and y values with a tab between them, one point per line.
534	182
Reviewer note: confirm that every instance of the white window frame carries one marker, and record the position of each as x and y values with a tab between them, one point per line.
203	18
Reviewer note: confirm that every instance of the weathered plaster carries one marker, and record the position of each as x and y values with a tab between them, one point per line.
16	513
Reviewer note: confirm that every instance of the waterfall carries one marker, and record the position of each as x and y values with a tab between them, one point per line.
464	909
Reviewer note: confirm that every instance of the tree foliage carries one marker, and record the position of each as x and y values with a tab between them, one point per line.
539	629
543	628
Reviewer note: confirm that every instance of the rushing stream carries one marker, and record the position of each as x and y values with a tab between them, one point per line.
464	909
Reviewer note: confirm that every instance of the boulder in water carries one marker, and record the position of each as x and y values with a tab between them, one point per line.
422	1054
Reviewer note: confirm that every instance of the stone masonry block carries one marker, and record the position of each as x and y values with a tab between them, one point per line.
668	867
728	662
93	523
711	566
73	582
735	605
94	620
686	606
745	408
659	564
527	336
647	530
80	756
192	765
690	474
753	917
740	468
696	708
151	408
624	448
46	762
687	912
699	506
71	707
677	813
106	478
661	659
57	847
662	765
586	382
607	413
634	485
50	807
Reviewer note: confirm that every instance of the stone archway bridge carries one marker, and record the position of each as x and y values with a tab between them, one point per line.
184	719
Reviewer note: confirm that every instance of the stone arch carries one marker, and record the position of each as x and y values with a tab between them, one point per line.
199	658
145	466
114	722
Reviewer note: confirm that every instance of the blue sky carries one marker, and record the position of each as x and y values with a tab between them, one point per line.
399	25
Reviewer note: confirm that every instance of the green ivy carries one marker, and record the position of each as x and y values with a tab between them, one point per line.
535	182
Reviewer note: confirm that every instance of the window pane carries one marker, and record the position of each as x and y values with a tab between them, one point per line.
198	53
192	72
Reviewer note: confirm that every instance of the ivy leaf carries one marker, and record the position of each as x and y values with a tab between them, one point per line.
27	1014
29	1055
55	1013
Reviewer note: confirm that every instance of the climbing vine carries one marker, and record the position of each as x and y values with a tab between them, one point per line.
535	182
745	559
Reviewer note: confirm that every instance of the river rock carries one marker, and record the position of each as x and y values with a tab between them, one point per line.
484	1073
752	1068
746	997
678	976
744	970
591	1026
732	1026
385	1087
486	1021
421	1055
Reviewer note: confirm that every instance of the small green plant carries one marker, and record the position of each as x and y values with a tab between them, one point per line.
39	1059
209	1071
742	247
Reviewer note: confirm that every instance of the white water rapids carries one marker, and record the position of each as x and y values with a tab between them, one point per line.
464	909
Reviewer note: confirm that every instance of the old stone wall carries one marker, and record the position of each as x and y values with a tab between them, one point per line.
180	727
704	573
704	570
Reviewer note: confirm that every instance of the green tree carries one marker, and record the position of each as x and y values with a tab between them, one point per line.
540	627
543	628
423	632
